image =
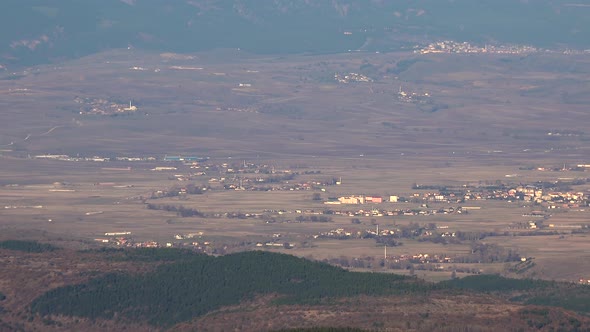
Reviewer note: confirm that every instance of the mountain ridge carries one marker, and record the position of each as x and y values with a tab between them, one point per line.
36	31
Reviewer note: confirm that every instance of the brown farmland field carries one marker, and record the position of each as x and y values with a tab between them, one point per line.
489	119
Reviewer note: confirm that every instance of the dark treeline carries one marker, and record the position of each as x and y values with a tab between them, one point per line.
189	189
323	329
27	246
428	187
280	178
313	219
528	291
489	253
185	212
387	241
181	211
496	283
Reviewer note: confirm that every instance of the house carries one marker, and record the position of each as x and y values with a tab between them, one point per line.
162	168
374	199
352	199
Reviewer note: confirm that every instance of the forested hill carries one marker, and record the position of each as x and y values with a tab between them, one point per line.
33	31
186	285
197	284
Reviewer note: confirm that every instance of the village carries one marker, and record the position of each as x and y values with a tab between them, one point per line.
550	195
413	97
383	237
351	77
449	46
252	176
329	210
100	106
454	47
365	213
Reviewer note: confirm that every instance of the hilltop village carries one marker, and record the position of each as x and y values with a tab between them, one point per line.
449	46
454	47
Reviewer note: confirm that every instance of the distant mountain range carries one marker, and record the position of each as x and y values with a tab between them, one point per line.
33	31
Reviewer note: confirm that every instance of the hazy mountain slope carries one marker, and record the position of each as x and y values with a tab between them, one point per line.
40	30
